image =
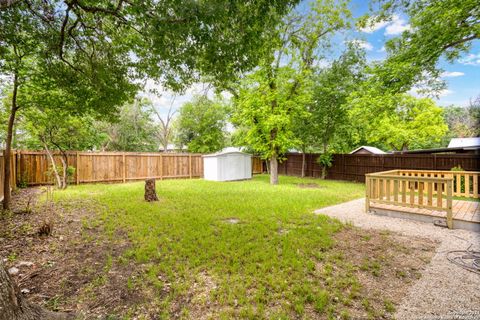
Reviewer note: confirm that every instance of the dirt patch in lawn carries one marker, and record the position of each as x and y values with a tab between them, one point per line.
385	265
78	267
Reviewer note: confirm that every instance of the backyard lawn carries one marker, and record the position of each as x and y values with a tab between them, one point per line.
214	250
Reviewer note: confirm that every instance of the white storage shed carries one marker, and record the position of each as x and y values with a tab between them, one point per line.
227	166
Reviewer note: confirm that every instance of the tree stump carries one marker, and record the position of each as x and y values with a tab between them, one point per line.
150	192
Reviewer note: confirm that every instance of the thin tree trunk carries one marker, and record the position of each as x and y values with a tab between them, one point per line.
64	173
274	170
8	146
324	167
54	166
303	163
13	306
64	159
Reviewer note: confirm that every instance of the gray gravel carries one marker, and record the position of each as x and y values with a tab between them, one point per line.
445	290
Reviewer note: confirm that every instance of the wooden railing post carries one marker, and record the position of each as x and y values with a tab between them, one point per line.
367	194
449	204
124	168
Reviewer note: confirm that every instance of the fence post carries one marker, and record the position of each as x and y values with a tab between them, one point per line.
77	177
124	167
449	204
190	165
367	194
161	167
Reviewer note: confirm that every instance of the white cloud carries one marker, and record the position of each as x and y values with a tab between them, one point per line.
370	28
452	74
471	59
382	49
444	92
363	44
396	26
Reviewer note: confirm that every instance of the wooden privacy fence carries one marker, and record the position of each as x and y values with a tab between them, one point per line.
433	190
33	168
353	167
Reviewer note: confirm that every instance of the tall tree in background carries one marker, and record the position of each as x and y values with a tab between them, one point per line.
463	122
398	122
165	131
201	125
133	130
328	116
269	99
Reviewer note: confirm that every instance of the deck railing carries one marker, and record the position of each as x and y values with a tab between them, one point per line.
465	183
432	190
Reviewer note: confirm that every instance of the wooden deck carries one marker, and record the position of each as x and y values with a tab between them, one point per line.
466	214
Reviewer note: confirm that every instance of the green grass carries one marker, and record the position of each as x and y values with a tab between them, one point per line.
263	266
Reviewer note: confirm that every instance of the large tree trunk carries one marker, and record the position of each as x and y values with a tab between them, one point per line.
274	170
8	147
13	306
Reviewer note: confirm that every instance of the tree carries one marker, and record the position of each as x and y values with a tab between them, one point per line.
165	130
52	130
133	130
201	125
399	122
463	121
89	77
438	29
328	116
268	100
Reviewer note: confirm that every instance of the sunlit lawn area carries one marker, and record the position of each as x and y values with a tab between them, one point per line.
256	244
235	249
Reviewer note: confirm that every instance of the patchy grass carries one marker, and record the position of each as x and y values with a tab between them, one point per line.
258	266
224	250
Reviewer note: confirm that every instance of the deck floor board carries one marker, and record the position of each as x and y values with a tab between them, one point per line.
462	210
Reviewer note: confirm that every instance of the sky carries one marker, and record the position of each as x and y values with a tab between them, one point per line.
462	77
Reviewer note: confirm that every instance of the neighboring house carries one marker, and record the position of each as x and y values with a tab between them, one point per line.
456	145
464	142
367	150
172	148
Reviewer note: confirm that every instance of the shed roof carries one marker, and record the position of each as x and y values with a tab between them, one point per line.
373	150
464	142
225	152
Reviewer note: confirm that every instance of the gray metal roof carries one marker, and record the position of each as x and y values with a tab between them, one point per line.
373	150
464	142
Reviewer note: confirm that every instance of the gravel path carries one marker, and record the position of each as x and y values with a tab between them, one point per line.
445	290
